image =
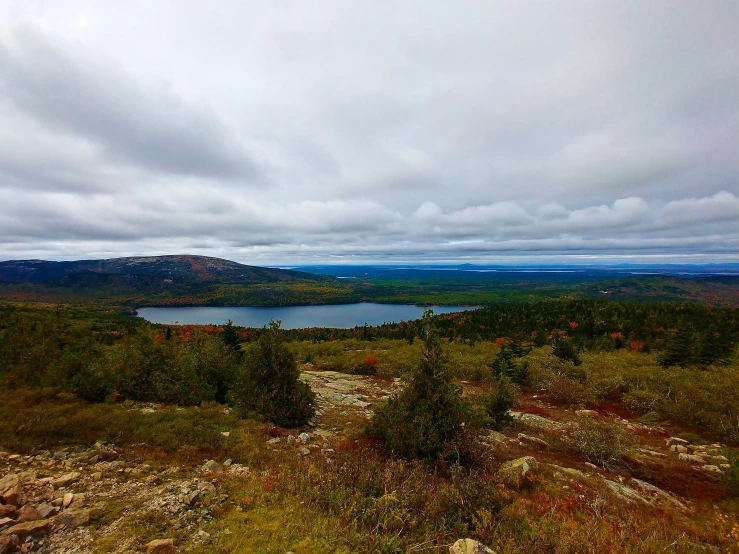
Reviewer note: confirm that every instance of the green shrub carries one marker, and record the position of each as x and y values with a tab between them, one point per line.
650	418
426	419
566	349
601	442
497	401
568	390
270	384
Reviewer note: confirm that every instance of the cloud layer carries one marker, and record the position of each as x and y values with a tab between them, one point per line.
288	133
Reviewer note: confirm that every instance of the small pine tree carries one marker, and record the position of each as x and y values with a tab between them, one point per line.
713	349
517	345
498	401
427	418
505	365
270	384
231	338
679	350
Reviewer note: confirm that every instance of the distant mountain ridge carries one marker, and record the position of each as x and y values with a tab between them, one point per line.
180	269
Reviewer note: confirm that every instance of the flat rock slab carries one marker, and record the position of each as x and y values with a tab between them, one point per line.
35	529
538	422
625	492
340	390
66	479
659	493
571	471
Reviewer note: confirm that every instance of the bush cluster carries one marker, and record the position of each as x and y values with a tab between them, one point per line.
109	359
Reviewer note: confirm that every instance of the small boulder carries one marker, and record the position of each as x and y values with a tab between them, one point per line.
692	458
77	518
206	487
11	489
514	472
192	498
67	499
7	510
469	546
677	440
78	502
679	448
28	513
66	479
34	529
211	466
304	451
304	438
47	510
495	436
9	543
160	546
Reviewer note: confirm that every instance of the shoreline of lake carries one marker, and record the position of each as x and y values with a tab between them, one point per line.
337	316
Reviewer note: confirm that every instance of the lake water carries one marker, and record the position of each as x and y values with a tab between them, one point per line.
295	317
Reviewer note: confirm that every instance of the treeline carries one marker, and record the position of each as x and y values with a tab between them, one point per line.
690	333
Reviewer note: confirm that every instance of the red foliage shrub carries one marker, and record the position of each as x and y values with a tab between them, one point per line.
370	361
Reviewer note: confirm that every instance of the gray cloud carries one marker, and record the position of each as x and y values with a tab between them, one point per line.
280	133
95	100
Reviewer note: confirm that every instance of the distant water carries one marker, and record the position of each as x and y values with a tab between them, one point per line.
295	317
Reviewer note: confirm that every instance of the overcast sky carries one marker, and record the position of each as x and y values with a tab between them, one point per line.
290	133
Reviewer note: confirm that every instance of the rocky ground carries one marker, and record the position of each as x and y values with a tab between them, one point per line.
87	499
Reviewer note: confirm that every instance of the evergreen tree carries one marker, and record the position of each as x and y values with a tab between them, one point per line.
498	402
505	365
713	349
566	349
425	420
679	349
270	383
231	338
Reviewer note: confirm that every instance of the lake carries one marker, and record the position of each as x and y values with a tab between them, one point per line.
295	317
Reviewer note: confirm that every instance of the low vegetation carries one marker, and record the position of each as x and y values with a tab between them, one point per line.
421	469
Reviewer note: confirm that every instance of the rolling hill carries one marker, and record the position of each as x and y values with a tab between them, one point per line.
174	268
165	281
